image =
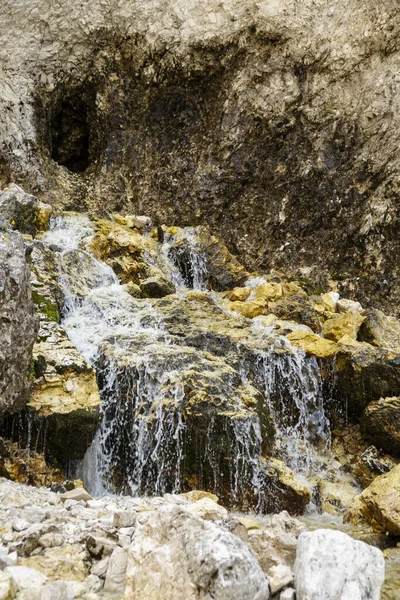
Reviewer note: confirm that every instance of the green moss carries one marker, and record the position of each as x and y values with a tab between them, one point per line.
46	306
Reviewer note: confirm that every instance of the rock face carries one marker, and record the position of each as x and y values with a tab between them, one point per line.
380	330
331	565
380	502
380	423
19	323
235	115
190	558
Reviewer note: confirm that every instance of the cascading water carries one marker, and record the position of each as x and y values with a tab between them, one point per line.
142	444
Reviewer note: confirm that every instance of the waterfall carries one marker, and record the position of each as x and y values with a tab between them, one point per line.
144	444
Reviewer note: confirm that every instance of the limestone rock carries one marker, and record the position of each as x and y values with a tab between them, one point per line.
207	509
365	373
381	330
345	305
380	502
380	423
156	287
249	309
116	572
279	577
331	565
268	292
8	588
43	214
313	344
19	324
372	463
335	497
18	208
342	324
187	555
296	308
26	578
77	494
287	493
239	294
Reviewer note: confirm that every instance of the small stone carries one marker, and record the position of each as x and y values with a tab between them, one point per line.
207	509
76	494
93	583
33	514
20	525
51	540
288	594
124	518
100	546
279	577
157	287
57	590
27	578
116	572
345	305
100	568
70	503
248	309
123	540
239	294
249	523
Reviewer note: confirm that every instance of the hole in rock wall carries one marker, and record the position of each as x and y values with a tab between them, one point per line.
71	130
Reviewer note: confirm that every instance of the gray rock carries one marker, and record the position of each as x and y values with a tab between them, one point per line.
100	569
185	554
288	594
116	572
51	540
33	514
19	208
20	525
58	590
331	565
124	518
19	324
93	583
279	577
157	287
100	546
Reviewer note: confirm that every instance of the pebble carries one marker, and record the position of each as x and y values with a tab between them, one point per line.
20	525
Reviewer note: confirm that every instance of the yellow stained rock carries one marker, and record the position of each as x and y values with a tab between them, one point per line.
65	393
249	523
330	301
195	495
380	502
43	214
312	343
268	291
342	324
249	309
239	294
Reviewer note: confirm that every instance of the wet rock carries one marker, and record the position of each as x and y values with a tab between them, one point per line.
188	554
296	308
223	270
372	463
268	292
43	214
239	294
249	309
313	344
380	502
365	373
380	423
335	497
133	289
18	208
156	287
342	324
332	565
283	491
380	330
19	324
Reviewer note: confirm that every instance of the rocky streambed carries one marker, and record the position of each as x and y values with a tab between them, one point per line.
162	367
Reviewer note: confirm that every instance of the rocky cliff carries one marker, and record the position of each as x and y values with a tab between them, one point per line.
276	123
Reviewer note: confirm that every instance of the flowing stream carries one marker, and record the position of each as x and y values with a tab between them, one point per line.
140	441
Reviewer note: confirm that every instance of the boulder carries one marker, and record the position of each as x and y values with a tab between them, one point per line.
365	373
239	294
342	324
380	423
380	502
249	309
19	324
331	565
19	208
281	490
298	308
156	287
313	344
380	330
188	556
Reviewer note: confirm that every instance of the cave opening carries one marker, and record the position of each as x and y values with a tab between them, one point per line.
71	133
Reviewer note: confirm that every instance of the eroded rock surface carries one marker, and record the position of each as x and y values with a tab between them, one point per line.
19	323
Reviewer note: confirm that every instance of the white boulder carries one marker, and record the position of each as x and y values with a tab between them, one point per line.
330	565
